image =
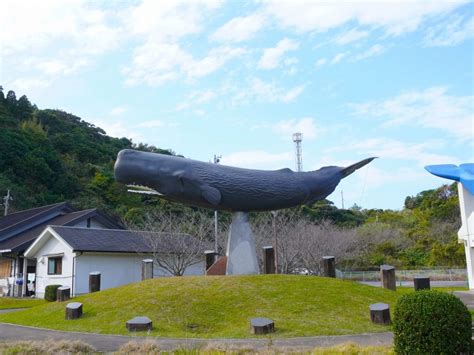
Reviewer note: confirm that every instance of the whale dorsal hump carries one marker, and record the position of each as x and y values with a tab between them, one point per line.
211	194
285	170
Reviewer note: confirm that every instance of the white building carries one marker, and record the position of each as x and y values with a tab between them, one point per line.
66	255
20	229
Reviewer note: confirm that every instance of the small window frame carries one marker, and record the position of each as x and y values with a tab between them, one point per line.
57	265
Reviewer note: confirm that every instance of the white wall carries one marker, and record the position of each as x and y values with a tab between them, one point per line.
53	246
117	269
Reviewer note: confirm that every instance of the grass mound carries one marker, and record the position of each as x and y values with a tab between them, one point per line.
216	307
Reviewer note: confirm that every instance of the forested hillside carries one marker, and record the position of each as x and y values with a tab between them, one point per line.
48	156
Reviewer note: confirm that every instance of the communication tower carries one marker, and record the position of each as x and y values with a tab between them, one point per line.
298	138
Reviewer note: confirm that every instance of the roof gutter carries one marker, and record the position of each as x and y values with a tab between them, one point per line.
5	251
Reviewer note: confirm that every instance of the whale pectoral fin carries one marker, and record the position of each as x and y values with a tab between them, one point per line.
211	194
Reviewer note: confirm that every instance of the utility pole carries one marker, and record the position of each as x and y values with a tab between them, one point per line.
342	199
6	202
217	159
275	236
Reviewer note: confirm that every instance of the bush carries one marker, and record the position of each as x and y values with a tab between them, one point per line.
431	322
50	293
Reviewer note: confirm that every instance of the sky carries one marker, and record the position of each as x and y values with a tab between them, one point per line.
392	79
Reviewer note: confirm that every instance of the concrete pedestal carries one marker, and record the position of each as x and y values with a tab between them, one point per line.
241	252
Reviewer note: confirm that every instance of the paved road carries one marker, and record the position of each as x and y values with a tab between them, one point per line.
10	332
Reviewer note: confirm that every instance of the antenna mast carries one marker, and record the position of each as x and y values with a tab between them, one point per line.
298	138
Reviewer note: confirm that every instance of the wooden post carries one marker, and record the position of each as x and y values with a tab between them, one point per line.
211	258
73	310
268	260
94	281
139	324
262	326
63	293
380	313
421	283
329	266
147	269
387	275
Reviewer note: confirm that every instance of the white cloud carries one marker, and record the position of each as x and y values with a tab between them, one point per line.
387	148
258	159
116	128
374	50
152	124
119	110
25	84
196	98
306	125
272	57
350	36
431	108
450	33
239	29
164	21
81	29
321	62
394	17
156	63
338	57
262	91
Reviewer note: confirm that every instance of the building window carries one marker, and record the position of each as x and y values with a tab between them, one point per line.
88	222
55	266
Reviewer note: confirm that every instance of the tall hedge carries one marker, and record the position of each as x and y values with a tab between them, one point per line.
431	322
51	293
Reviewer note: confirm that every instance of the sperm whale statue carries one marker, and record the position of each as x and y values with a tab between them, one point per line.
221	187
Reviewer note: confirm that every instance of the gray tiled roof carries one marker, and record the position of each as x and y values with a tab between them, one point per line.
125	241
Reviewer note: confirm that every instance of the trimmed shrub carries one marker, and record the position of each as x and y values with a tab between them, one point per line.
50	293
431	322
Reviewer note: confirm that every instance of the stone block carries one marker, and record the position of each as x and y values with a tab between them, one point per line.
73	310
380	313
63	294
138	324
421	283
387	275
329	266
262	326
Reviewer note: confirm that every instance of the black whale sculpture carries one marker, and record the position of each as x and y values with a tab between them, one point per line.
227	188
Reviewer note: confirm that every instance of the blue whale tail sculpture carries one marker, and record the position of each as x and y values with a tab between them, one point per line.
463	173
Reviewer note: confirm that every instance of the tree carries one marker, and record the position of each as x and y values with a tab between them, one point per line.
176	241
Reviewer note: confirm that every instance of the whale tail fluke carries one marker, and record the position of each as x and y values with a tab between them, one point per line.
351	168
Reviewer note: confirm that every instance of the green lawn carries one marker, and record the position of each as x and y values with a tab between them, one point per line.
8	303
212	307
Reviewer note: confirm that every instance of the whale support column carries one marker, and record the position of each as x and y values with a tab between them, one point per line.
466	232
241	251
